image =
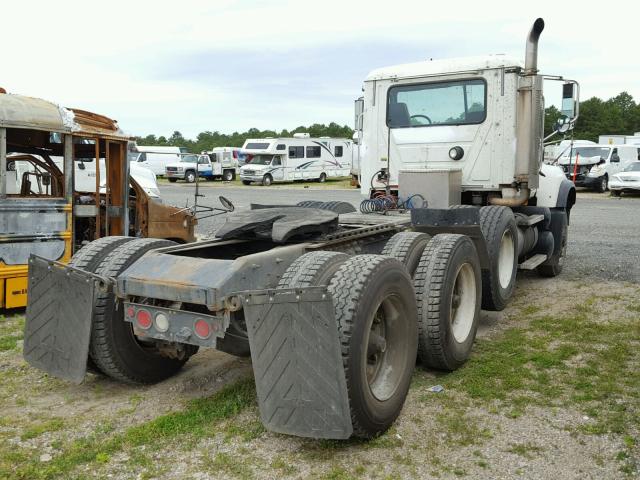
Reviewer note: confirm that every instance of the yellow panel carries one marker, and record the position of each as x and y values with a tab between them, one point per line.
1	293
16	292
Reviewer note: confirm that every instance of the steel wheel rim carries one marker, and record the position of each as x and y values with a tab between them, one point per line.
385	355
463	302
505	259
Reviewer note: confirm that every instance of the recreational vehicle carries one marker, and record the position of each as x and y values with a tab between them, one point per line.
297	158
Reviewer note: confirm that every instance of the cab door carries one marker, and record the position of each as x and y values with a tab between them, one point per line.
615	163
277	166
204	166
216	168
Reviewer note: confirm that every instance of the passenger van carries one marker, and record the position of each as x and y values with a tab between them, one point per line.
156	158
593	165
297	158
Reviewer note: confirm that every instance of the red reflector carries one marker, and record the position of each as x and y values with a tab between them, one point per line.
144	319
202	328
131	312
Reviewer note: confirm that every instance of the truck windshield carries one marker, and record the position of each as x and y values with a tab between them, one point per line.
590	152
262	160
189	158
437	103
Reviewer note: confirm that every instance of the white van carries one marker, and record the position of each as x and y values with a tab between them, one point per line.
297	158
156	158
593	165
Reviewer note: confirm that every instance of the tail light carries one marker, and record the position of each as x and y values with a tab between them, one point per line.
202	328
143	318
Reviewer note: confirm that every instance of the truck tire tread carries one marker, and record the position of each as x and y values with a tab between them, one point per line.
492	219
104	342
347	287
430	283
407	247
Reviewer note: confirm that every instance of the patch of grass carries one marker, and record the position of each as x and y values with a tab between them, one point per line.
338	473
526	450
230	464
246	430
199	419
460	428
9	342
38	429
281	464
634	307
558	361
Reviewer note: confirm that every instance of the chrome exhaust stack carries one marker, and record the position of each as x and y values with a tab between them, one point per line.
531	54
530	125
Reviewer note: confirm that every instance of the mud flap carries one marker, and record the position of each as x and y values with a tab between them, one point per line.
297	362
58	318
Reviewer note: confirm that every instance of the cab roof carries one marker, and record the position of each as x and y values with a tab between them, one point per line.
18	111
446	66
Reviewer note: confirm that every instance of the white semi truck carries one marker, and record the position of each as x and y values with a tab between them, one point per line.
333	307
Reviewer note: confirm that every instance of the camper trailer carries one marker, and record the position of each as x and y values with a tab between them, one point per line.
297	158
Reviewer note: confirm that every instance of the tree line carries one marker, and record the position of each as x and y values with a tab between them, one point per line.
618	115
208	139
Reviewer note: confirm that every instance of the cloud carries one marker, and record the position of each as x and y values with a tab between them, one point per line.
231	65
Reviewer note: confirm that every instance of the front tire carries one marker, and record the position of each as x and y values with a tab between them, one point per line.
448	289
500	232
553	266
267	180
603	185
228	175
322	178
375	307
190	176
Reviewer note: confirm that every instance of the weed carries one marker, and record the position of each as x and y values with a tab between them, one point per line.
38	429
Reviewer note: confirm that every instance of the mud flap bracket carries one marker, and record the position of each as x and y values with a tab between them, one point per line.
58	318
297	362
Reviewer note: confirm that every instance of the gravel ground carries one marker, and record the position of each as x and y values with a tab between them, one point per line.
603	235
550	391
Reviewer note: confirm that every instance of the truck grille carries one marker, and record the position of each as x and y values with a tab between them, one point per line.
249	172
172	169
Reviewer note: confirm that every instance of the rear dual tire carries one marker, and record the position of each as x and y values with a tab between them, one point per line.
448	288
113	346
374	306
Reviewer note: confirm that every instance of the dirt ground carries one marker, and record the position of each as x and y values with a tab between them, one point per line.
551	391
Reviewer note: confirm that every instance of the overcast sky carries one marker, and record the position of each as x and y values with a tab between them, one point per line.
230	65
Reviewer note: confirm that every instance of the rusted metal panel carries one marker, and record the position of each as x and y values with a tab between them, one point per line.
18	111
165	221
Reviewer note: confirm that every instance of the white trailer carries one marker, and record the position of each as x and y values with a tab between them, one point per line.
619	139
297	158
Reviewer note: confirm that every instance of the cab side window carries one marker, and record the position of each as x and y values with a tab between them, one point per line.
203	160
276	162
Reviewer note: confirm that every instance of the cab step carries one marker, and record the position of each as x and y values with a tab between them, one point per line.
533	262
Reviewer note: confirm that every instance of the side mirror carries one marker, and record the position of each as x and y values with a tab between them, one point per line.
81	165
569	101
563	124
358	112
226	203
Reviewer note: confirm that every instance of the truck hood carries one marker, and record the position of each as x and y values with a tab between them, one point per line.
255	168
181	164
581	160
